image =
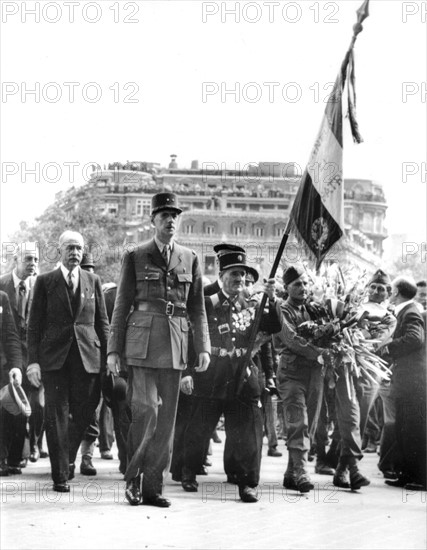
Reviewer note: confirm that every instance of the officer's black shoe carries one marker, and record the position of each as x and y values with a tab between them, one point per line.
156	500
4	470
357	480
248	494
274	452
14	470
190	485
86	467
61	487
203	471
133	491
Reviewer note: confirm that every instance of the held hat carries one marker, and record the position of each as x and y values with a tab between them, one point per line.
113	388
292	274
87	260
164	201
380	277
14	400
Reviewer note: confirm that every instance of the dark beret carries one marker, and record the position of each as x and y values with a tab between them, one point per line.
292	274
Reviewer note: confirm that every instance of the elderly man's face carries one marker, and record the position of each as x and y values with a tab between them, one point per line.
26	264
232	281
71	252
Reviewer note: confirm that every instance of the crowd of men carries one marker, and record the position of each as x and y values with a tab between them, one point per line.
134	354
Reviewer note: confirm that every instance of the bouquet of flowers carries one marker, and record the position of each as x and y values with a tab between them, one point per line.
337	324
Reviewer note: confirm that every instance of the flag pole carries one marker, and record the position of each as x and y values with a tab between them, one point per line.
362	13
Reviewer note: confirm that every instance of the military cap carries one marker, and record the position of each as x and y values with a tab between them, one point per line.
164	201
292	274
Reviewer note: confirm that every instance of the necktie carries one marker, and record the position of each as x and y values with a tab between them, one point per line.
22	302
70	281
166	253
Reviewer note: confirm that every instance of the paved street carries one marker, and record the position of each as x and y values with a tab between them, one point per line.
94	515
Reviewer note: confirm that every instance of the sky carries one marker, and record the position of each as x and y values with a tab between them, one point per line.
142	80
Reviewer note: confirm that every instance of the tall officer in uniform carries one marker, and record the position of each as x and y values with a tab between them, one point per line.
230	318
162	281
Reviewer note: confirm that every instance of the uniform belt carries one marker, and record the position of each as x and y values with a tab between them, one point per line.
222	352
163	307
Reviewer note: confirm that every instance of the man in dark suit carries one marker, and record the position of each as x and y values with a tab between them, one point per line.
407	350
67	340
11	371
163	282
19	286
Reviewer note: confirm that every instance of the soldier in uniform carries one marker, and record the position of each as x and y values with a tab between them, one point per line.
230	318
162	281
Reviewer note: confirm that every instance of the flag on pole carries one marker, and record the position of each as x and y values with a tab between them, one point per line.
317	215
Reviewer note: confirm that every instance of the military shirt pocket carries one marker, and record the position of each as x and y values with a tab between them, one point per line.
146	283
185	279
138	336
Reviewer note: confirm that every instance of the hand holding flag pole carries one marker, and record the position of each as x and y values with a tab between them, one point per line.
317	215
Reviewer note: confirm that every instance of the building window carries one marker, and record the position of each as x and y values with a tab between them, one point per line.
189	229
279	230
258	230
238	230
209	229
143	207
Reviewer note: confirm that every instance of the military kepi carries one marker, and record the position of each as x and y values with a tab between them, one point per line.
229	258
164	201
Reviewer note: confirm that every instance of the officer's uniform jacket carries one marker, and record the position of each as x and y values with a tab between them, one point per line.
230	325
150	325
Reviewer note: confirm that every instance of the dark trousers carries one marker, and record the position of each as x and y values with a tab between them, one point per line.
152	397
69	391
36	399
411	435
243	423
12	437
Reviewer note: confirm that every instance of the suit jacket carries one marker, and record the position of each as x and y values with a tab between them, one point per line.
407	351
154	339
52	327
10	347
7	285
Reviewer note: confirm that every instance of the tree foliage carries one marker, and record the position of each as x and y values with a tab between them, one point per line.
104	234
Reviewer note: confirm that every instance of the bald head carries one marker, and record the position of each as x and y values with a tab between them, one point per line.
71	246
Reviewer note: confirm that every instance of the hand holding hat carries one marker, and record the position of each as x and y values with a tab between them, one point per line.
15	376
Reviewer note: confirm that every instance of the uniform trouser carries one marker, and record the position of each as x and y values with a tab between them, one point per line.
101	427
348	416
411	435
152	396
12	437
68	391
243	429
302	401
